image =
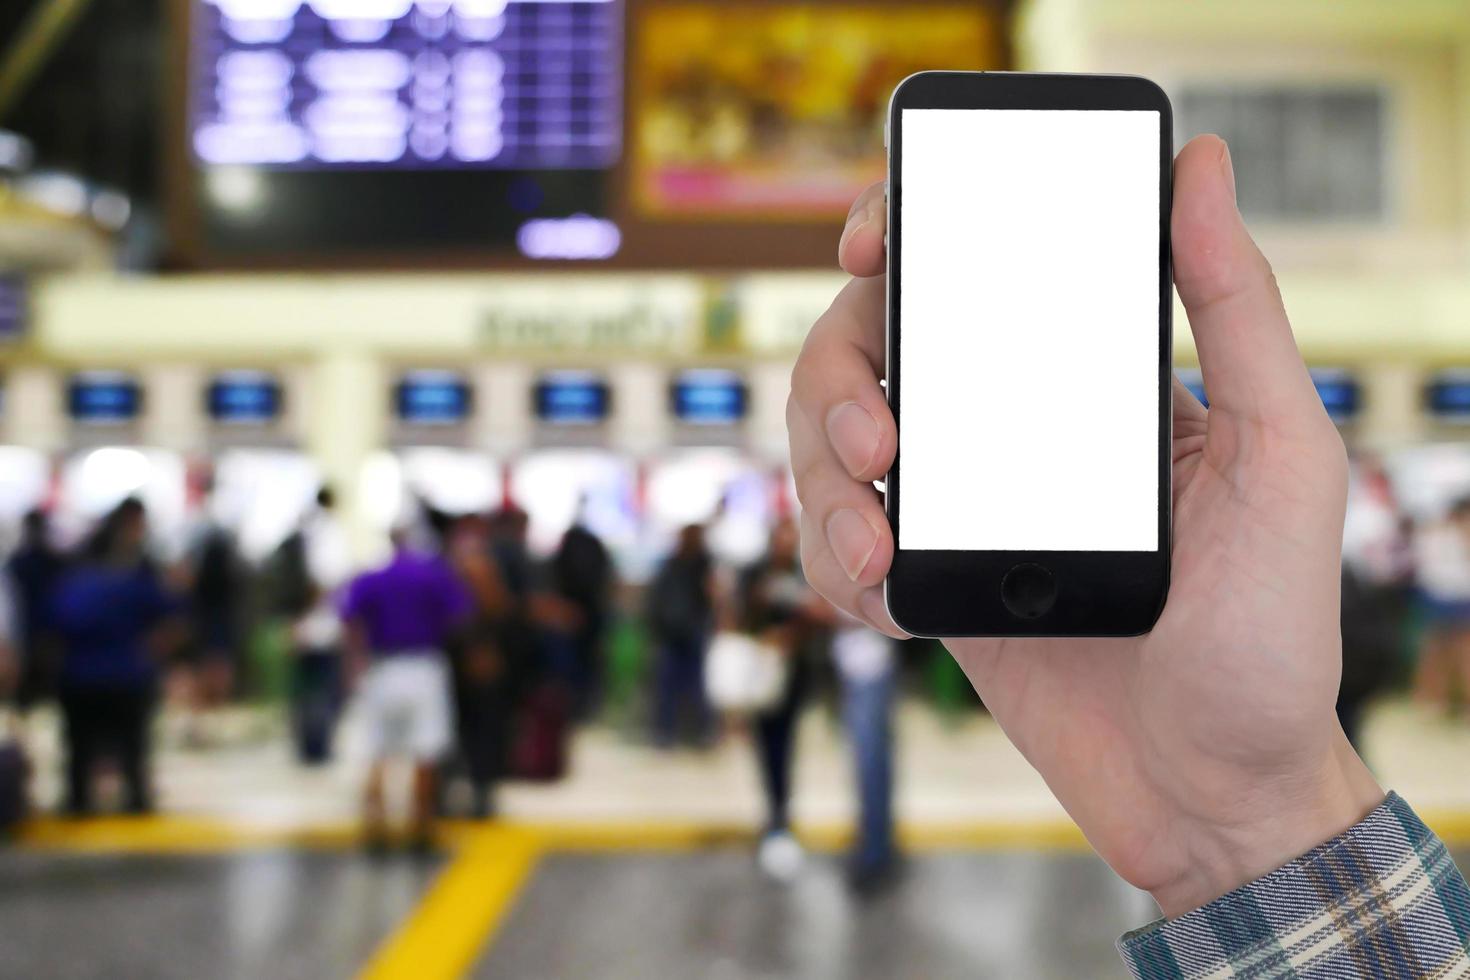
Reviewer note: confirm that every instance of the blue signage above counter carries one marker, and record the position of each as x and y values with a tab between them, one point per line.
103	398
432	397
572	398
708	396
244	398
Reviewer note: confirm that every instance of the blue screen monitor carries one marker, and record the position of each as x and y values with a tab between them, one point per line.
1447	395
1340	393
1194	380
708	397
489	115
14	306
103	398
432	398
572	398
244	398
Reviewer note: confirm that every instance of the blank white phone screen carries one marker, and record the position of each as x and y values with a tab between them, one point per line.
1029	330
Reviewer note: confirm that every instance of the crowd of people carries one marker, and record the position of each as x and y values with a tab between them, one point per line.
473	659
466	655
1405	601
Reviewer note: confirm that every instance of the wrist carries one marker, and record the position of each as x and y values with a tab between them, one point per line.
1291	816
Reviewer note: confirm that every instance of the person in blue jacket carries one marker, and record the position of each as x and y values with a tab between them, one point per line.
116	620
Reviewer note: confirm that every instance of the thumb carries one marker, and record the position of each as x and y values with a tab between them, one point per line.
1249	358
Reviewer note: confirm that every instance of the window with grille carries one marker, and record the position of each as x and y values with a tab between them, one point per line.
1300	154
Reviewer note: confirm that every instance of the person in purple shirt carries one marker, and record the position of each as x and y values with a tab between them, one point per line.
400	619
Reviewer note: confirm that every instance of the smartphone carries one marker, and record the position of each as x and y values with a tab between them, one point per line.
1029	347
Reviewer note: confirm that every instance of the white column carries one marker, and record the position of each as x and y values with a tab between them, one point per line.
1393	407
173	407
347	422
35	410
502	421
640	422
770	383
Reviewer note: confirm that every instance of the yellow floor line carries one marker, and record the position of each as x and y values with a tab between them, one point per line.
1047	834
174	834
200	835
459	915
204	835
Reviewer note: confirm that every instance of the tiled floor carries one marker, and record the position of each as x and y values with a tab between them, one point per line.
268	914
277	915
711	915
605	909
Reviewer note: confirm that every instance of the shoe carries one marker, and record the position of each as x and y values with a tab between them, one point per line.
375	845
779	856
869	878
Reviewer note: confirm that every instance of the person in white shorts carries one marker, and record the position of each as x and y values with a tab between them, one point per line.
399	620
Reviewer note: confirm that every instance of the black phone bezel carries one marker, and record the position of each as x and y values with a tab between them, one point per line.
1098	593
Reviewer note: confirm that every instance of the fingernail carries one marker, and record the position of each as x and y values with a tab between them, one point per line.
852	539
855	223
854	435
864	210
1228	167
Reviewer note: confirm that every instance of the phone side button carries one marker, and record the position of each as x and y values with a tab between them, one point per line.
1028	590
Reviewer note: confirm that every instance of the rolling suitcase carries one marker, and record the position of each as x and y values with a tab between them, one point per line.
540	748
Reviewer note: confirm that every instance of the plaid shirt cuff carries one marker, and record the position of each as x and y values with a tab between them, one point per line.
1382	900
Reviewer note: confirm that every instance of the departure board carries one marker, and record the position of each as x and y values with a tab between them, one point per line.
13	306
407	84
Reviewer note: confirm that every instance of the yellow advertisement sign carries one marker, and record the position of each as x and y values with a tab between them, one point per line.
775	111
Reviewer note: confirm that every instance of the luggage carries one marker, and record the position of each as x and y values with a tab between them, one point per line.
743	675
539	751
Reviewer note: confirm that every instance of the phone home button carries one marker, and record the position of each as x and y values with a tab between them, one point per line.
1028	590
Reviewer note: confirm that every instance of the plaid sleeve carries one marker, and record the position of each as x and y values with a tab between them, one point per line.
1382	900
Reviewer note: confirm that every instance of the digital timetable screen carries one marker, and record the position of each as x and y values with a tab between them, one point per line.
14	305
340	126
572	398
432	397
1447	395
402	84
243	398
103	398
708	396
1340	393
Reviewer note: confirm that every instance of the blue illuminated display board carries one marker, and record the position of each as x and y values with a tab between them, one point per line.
432	398
572	398
407	84
1192	379
708	397
1447	395
103	398
13	306
243	398
1339	391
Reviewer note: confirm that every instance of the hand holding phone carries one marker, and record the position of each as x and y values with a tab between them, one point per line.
1203	753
